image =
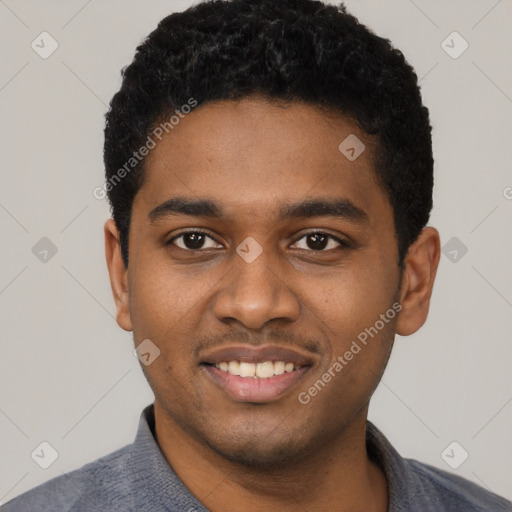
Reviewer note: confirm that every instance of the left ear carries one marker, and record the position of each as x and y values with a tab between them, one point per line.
420	267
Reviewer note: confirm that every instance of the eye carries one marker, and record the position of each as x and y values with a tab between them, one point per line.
320	242
194	241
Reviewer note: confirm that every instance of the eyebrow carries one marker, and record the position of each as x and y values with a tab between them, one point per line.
340	208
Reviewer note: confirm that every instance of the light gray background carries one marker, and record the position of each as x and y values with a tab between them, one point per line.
68	375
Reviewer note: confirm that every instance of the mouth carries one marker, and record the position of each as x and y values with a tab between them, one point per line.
264	374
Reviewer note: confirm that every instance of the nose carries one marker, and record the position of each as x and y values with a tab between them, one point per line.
254	293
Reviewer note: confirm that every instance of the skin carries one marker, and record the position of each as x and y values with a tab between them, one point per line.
251	157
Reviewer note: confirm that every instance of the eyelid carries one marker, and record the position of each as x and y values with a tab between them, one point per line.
343	242
186	232
191	230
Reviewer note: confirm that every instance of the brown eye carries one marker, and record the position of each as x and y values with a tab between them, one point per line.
319	241
194	241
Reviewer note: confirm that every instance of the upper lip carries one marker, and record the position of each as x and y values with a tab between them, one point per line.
257	355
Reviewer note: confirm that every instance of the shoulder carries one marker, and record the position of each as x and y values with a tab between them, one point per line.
453	493
95	486
418	486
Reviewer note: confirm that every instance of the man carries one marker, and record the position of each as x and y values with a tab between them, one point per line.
270	171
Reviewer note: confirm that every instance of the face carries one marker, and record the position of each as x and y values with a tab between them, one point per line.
257	247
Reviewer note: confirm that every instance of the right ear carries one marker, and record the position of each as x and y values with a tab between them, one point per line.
118	275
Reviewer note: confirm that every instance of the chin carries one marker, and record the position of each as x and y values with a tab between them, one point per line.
261	451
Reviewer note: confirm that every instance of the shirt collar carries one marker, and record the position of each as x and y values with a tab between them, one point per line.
402	485
157	487
161	489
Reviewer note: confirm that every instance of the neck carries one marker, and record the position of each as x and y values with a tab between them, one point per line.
339	476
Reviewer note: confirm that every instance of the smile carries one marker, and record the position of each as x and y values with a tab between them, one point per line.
264	370
256	374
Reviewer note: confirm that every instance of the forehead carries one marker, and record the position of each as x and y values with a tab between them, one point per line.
256	154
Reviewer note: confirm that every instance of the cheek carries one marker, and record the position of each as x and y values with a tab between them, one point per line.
356	310
346	382
163	301
167	306
164	309
353	301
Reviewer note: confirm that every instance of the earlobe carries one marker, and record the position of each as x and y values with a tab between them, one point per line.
118	275
420	267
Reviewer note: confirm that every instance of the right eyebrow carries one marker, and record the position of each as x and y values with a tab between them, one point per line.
182	206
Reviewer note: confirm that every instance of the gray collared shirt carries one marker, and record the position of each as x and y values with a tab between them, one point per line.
137	478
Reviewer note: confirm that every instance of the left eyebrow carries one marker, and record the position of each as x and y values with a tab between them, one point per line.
342	208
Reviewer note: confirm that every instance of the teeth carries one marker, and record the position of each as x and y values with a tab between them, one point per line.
263	370
279	368
246	369
234	367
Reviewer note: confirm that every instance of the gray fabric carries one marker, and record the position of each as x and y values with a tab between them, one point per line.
138	478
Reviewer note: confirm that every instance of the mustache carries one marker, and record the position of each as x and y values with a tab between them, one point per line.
268	337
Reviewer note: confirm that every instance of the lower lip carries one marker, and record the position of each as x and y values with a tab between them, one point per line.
248	389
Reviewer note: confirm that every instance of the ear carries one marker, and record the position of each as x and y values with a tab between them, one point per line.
420	267
118	275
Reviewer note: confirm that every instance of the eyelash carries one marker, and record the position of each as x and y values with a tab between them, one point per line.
343	244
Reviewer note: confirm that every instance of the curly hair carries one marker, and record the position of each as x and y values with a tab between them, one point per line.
288	50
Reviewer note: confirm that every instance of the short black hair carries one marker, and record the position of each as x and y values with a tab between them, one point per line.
289	50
